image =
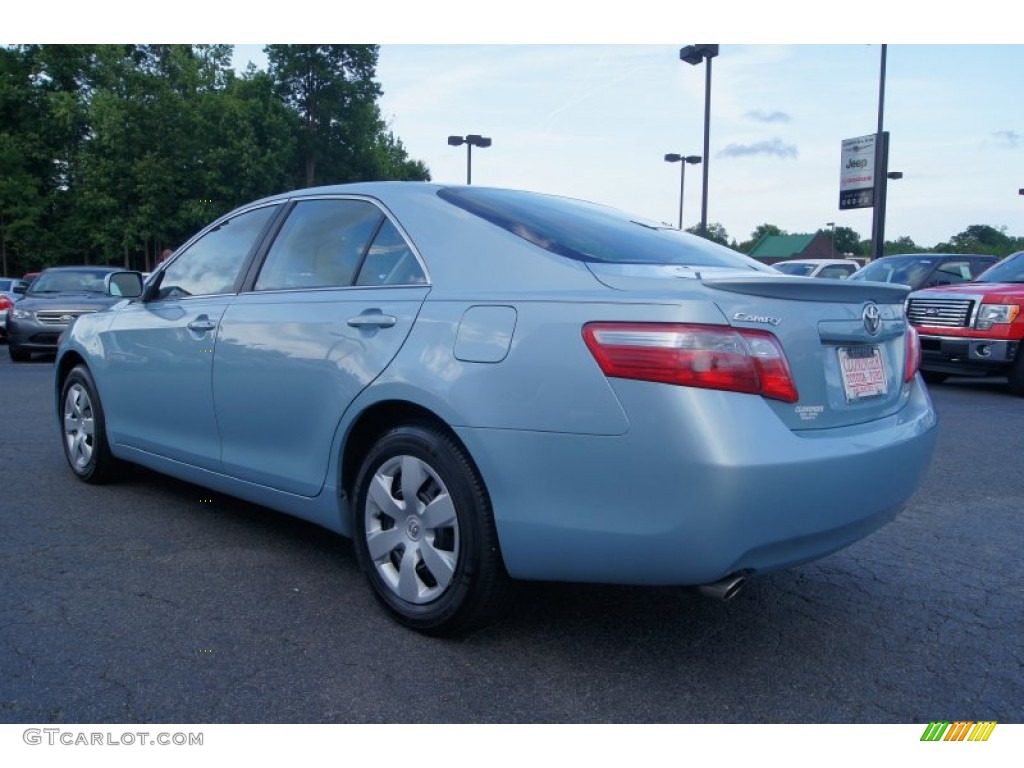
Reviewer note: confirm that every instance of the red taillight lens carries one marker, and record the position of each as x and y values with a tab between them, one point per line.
913	360
5	303
707	356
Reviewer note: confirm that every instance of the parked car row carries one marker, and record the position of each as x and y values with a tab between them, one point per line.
966	307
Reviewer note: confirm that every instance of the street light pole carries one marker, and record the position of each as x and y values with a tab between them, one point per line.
471	140
682	160
695	54
881	169
832	226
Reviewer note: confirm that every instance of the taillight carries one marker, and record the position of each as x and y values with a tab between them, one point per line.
913	352
5	303
707	356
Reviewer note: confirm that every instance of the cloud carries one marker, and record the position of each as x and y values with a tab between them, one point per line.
769	147
767	117
1007	139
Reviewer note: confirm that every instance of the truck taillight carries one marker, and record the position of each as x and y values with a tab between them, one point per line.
913	354
707	356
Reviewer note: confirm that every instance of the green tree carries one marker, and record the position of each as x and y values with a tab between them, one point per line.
341	138
715	233
901	245
980	238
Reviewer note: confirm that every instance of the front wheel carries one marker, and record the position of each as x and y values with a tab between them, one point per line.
425	534
84	431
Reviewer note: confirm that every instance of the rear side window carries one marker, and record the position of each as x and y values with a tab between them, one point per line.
321	245
589	232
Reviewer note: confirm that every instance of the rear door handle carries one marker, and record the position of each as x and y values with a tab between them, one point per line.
202	326
372	320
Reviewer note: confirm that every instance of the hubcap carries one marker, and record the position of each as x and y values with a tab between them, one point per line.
412	533
79	426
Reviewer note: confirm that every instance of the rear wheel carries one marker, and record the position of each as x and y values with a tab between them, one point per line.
424	532
84	430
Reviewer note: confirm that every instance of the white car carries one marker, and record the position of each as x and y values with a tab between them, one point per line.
837	269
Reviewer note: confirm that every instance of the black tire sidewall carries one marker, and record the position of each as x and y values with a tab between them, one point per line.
463	605
100	468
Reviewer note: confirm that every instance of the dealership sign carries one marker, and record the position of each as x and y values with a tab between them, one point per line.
857	173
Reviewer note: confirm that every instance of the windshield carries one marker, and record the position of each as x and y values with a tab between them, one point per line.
70	280
794	268
1009	270
593	233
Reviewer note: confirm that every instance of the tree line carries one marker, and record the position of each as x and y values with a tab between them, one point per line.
977	238
112	153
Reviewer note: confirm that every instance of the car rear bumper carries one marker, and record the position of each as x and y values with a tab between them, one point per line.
686	500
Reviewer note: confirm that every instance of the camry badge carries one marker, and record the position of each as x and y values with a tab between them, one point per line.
872	318
746	317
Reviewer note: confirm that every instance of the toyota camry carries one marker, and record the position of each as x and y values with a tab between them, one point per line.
479	385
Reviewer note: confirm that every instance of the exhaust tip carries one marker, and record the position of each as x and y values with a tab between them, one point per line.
725	589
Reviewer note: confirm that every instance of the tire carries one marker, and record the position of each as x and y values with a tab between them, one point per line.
934	377
18	355
436	568
83	430
1015	376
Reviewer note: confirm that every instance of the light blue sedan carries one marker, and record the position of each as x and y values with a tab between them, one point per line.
477	384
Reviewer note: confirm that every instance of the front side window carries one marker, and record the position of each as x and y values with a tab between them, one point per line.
213	263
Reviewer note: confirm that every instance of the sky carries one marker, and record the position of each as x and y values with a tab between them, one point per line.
587	106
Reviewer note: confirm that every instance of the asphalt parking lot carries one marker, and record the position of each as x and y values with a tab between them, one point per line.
154	601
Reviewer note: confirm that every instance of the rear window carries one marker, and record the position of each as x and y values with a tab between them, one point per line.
589	232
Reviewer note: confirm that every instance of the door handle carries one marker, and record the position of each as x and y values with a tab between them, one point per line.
372	320
202	326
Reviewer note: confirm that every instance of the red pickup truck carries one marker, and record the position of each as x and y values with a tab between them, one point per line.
974	328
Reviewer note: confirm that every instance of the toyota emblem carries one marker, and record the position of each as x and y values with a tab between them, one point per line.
872	318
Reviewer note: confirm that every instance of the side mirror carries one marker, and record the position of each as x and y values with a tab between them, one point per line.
127	285
20	288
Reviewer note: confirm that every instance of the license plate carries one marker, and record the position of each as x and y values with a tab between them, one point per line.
863	372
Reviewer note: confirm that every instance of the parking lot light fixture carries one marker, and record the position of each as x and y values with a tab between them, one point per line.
470	140
672	157
695	54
